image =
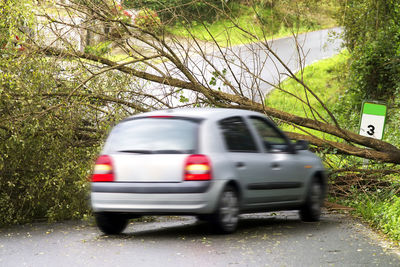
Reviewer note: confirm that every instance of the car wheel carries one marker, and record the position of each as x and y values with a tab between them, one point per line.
203	217
226	217
111	224
311	211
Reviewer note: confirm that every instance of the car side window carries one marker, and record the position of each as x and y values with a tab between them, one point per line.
271	137
237	135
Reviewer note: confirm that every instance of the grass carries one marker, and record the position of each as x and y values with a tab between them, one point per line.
383	214
325	79
380	209
227	32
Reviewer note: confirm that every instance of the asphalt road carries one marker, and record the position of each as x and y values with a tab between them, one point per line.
296	53
265	239
250	68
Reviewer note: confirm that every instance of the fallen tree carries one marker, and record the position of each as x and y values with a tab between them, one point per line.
86	65
186	68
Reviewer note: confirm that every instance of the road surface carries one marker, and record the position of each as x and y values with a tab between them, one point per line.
250	68
265	239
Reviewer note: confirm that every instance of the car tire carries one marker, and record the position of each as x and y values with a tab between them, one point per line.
111	224
226	217
311	211
203	217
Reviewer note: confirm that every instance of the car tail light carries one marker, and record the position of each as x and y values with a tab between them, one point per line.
103	170
197	167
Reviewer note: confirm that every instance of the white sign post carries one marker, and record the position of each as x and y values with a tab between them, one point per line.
373	120
372	123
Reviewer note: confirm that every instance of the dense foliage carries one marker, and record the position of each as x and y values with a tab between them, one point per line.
44	158
172	10
51	125
372	35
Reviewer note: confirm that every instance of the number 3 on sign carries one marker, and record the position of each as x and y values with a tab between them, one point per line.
372	126
371	129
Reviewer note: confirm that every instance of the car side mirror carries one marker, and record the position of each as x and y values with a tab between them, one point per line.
267	146
301	145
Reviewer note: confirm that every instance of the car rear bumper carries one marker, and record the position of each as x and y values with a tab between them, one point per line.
151	188
156	198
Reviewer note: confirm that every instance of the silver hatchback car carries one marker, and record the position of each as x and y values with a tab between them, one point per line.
211	163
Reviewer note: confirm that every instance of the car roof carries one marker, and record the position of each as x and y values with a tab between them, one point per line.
201	113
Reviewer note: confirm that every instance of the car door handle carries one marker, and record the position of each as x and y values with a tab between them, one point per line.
275	166
240	164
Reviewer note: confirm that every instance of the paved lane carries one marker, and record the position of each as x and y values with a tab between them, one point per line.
250	68
262	240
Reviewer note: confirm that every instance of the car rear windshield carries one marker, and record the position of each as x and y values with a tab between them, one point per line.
154	135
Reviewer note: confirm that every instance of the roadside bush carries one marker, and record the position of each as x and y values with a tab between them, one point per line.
270	18
375	67
148	19
374	44
173	10
43	177
99	49
53	117
45	158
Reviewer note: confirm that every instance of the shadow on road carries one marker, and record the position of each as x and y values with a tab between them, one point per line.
248	225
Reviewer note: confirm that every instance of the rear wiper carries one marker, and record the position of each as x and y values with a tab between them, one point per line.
136	151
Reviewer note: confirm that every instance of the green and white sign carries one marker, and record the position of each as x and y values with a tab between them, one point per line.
373	120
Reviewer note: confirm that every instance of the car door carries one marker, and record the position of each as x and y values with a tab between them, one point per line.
246	156
285	172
